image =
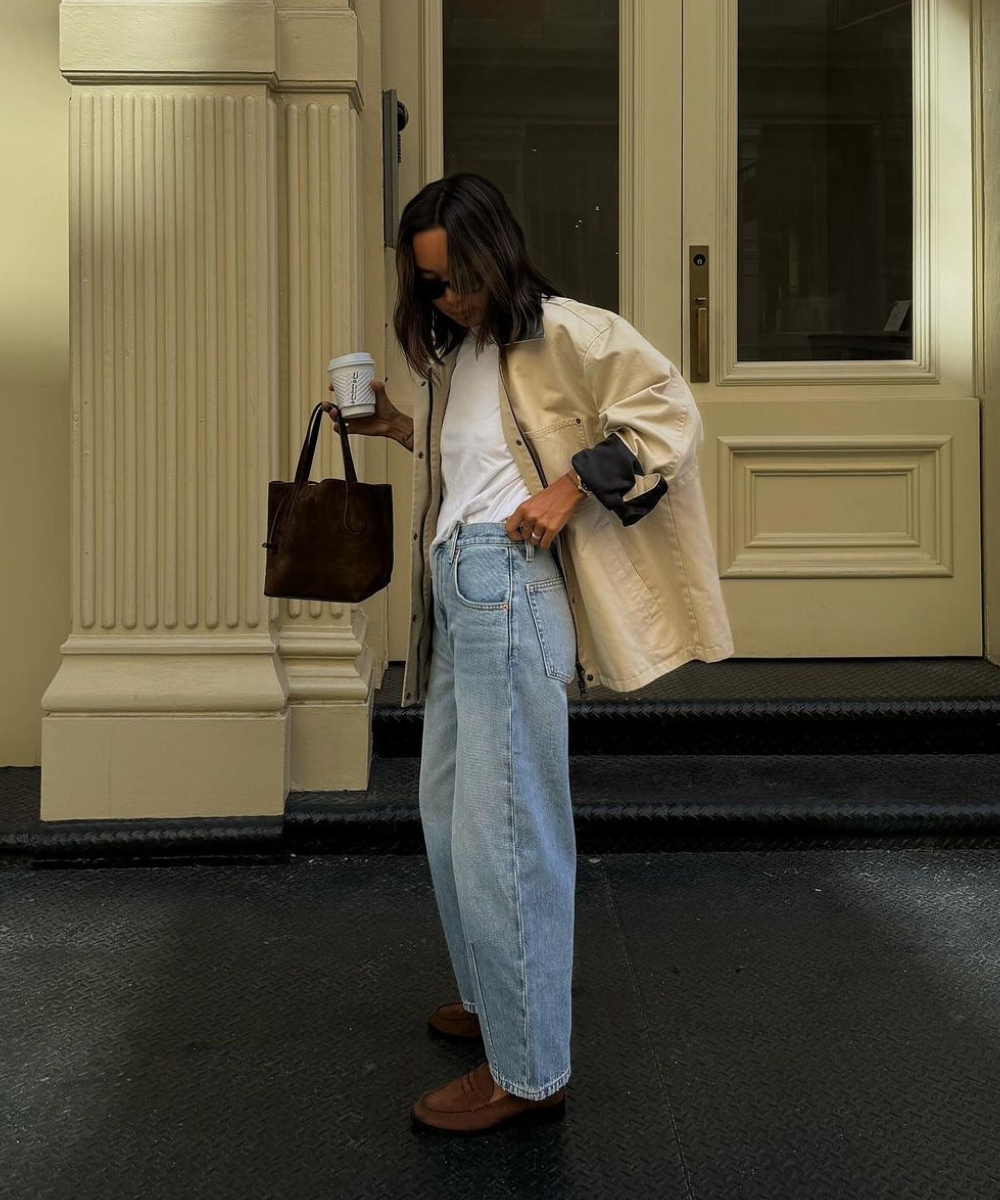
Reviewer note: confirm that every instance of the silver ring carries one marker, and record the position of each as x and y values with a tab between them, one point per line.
535	535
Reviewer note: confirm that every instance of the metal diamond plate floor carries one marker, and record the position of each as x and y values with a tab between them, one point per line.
757	1024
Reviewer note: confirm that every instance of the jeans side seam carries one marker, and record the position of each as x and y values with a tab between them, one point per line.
513	816
484	1020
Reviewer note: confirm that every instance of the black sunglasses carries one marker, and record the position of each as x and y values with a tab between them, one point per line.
433	289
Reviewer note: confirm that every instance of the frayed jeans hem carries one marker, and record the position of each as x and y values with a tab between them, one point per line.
538	1093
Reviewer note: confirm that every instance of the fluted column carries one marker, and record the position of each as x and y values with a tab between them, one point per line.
172	698
321	269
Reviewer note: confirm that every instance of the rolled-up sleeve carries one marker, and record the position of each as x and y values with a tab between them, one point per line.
648	416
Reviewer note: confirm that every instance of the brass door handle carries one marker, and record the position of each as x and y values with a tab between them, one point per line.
700	358
702	340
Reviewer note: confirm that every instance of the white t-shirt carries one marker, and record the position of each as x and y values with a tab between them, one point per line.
479	479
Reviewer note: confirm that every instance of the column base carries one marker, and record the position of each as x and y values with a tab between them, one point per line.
166	726
331	746
97	767
330	674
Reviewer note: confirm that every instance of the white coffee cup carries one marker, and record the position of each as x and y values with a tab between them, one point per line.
351	376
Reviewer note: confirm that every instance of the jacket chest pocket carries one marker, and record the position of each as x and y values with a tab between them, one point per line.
556	443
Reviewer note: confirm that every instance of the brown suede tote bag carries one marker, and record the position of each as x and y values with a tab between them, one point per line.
329	539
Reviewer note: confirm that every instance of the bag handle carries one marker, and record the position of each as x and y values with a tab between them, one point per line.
305	466
309	449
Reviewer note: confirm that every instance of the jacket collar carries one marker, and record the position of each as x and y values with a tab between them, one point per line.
534	334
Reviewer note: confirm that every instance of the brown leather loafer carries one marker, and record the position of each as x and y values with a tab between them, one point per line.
475	1103
453	1021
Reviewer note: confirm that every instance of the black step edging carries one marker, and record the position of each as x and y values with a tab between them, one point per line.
659	828
808	726
648	802
599	830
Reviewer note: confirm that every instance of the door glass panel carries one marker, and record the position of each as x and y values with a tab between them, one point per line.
825	192
531	102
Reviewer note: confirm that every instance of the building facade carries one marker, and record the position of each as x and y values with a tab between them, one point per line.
795	201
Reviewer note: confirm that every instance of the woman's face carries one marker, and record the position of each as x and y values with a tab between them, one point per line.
430	255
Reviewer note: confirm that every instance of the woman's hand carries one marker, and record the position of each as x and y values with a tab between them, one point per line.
545	513
383	422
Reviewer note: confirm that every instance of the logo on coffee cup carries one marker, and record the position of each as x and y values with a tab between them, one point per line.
351	376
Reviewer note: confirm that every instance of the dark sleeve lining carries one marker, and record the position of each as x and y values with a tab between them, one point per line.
609	469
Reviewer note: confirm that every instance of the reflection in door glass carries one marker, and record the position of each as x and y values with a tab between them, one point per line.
531	102
825	193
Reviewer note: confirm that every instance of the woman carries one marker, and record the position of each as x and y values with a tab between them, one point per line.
503	613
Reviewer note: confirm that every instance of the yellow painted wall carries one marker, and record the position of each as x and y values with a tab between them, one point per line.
34	370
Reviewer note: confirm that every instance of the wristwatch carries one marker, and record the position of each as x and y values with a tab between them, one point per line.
581	483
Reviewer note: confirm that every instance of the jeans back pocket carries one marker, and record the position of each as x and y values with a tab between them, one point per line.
549	603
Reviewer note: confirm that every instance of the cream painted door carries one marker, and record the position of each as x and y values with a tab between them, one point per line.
818	154
827	179
411	64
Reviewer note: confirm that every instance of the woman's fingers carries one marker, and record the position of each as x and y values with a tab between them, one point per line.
372	423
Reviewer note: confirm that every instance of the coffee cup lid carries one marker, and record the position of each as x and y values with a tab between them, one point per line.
350	360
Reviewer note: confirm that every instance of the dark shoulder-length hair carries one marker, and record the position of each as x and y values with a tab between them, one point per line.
486	248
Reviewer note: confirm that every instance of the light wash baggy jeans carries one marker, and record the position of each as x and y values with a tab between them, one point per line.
494	796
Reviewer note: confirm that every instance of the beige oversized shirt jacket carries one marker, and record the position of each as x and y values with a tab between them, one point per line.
587	391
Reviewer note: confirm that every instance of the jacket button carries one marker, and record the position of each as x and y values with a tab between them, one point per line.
518	441
420	454
578	420
591	678
414	537
409	695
